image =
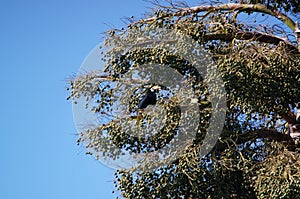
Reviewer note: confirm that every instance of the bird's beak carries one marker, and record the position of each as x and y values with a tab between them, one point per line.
156	87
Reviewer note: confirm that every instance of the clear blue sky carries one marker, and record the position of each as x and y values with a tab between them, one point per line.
42	43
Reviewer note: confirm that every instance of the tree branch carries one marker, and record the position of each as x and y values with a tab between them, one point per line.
272	135
259	133
297	34
256	36
230	6
289	117
247	35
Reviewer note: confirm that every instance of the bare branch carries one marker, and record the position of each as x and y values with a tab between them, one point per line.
256	36
232	7
241	35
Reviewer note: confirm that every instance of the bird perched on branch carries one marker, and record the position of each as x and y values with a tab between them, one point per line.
149	98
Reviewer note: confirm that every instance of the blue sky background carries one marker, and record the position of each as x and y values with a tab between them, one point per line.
42	44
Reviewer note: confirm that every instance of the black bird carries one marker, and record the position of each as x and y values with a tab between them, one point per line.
150	97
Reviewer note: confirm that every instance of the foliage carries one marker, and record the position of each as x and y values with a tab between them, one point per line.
259	64
285	5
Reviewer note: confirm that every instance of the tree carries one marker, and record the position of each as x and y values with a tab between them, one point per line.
255	47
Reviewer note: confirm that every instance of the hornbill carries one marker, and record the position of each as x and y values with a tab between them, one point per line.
149	98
